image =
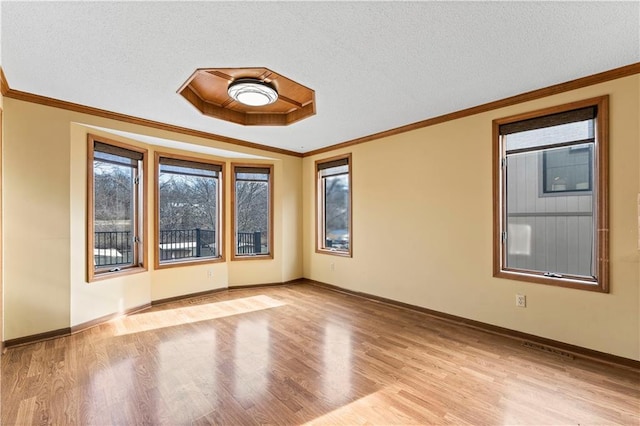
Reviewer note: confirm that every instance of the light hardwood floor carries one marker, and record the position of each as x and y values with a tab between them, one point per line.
302	354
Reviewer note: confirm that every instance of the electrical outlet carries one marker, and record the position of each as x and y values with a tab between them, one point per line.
209	273
332	266
521	301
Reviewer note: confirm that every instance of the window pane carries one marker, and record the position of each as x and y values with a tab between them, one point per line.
252	176
115	159
334	171
568	169
188	213
114	217
192	171
547	234
252	214
569	132
336	211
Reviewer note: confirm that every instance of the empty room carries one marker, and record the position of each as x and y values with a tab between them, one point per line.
288	212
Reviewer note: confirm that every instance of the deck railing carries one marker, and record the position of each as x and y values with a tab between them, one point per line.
185	243
113	248
249	243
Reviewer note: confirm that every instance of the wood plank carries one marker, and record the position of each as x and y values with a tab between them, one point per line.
299	354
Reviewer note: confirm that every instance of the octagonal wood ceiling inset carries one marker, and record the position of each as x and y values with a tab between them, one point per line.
207	88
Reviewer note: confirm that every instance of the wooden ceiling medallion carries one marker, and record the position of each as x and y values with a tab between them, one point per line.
207	89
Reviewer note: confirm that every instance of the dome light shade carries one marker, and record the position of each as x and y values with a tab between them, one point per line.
252	92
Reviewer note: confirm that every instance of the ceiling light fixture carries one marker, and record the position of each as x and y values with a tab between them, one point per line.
252	92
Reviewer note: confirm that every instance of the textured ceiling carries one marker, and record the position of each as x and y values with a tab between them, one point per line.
373	65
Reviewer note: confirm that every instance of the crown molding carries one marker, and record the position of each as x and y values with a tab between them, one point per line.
591	80
513	100
8	92
4	86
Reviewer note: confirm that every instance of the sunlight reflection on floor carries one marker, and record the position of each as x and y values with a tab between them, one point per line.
371	409
185	315
252	360
337	361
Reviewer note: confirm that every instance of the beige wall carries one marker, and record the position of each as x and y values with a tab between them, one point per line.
45	211
1	238
422	229
36	216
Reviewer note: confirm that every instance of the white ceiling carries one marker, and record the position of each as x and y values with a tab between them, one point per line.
374	65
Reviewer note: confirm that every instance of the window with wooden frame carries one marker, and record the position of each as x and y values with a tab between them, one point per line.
252	211
116	200
333	200
189	210
551	196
